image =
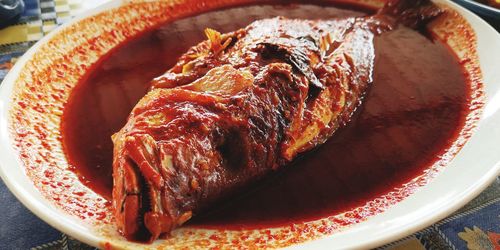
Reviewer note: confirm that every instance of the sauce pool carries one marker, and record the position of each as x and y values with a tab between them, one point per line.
409	118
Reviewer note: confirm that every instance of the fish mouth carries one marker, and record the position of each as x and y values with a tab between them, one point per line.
134	203
140	216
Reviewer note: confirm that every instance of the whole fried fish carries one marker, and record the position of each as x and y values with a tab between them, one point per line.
238	106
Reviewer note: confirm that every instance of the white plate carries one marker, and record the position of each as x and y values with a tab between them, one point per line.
473	168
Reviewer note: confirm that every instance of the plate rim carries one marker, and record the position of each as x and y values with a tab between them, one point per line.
480	8
37	207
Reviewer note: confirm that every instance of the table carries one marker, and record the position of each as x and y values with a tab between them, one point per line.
475	226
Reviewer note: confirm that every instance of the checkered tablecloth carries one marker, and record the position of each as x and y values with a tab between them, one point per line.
475	226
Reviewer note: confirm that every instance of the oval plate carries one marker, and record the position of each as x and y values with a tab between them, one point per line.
35	169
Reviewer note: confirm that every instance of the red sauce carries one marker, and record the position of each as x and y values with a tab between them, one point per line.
410	117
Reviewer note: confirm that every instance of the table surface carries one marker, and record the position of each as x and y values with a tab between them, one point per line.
475	226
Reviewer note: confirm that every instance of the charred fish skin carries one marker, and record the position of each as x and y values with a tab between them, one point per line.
234	108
